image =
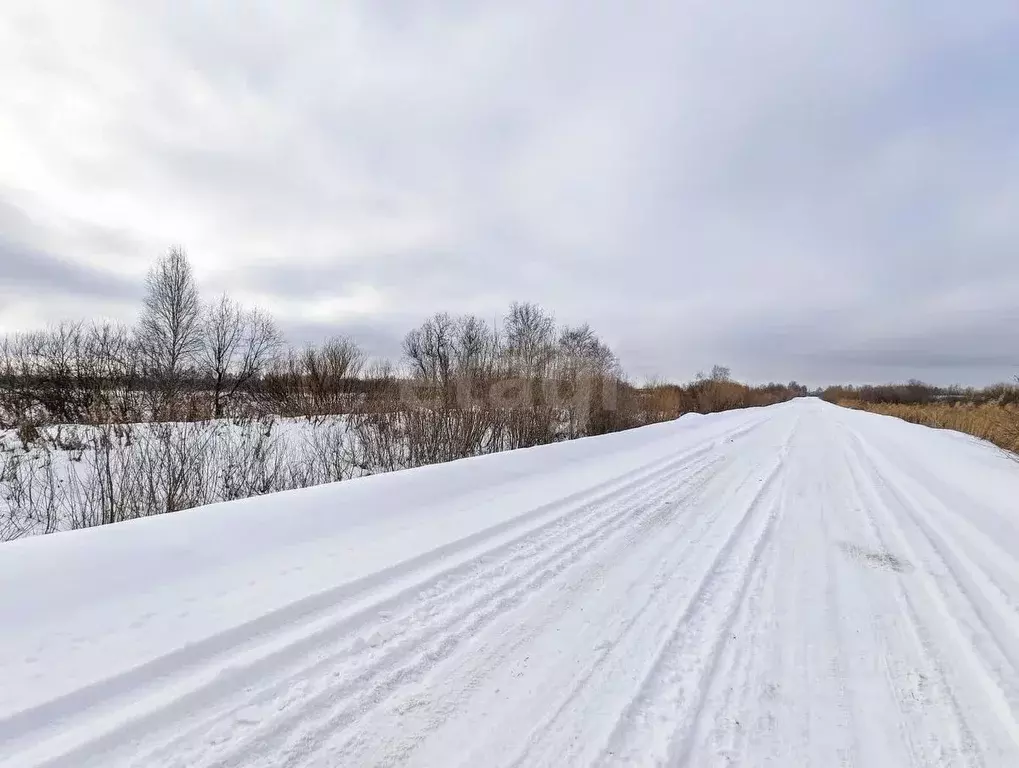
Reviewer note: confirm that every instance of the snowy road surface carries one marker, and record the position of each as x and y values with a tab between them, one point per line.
790	586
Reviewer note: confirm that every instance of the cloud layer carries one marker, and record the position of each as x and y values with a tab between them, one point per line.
797	190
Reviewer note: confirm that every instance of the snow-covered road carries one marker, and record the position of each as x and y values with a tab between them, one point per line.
791	586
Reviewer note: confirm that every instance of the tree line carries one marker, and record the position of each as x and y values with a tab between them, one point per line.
916	392
188	359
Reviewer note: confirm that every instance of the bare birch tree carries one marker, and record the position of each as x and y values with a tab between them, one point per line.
170	328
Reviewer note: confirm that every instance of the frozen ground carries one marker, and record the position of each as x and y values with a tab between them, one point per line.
790	586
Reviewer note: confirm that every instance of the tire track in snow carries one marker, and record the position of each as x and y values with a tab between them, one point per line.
994	682
716	728
840	665
729	671
954	510
406	658
486	660
321	717
662	701
753	581
990	605
925	634
300	625
913	682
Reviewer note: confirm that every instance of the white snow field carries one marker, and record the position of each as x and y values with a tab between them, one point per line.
799	585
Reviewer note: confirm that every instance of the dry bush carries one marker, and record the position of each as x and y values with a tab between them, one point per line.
31	495
315	381
70	373
101	475
331	456
712	395
660	401
996	423
28	433
414	437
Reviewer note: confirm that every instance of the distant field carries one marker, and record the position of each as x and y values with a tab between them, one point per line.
998	424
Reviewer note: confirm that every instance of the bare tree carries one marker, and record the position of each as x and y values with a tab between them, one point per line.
476	355
587	372
239	346
530	339
170	328
475	348
120	372
582	353
328	371
430	350
720	373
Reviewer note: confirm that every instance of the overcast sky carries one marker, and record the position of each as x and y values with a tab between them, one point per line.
823	191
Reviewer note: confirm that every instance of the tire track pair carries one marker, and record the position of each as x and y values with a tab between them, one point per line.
887	501
688	536
128	688
366	687
493	658
661	689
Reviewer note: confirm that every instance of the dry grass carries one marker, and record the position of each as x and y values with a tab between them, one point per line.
998	424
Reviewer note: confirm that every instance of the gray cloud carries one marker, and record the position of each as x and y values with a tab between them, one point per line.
797	190
23	267
379	342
